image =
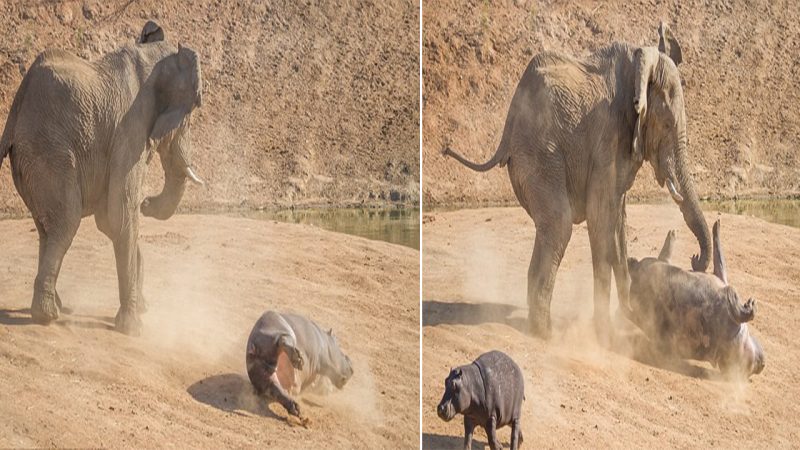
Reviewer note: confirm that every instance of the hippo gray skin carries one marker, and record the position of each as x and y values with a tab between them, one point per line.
287	353
693	314
489	393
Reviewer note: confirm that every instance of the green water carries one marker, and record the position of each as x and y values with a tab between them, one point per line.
396	226
782	211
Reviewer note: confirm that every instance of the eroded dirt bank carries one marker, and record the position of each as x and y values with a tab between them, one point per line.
304	103
77	383
739	72
579	395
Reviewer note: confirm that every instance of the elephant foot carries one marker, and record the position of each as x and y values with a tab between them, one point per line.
128	322
539	325
603	330
44	310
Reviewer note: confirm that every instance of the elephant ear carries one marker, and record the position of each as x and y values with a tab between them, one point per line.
644	61
151	32
181	100
668	45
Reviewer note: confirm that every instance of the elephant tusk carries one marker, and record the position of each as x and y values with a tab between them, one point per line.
674	192
192	176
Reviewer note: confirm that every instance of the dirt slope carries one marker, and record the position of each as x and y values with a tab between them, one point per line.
304	102
579	395
183	383
740	71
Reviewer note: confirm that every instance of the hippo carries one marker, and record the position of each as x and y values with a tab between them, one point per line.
488	392
287	353
694	315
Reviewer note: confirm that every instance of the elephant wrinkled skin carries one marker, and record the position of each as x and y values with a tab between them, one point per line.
80	134
576	134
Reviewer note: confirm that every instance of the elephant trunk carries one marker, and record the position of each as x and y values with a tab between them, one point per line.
163	206
690	207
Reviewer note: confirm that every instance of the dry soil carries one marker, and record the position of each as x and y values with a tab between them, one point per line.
580	395
304	103
740	74
78	383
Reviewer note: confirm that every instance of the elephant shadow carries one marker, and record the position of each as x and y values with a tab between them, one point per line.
639	348
232	393
23	317
16	316
436	313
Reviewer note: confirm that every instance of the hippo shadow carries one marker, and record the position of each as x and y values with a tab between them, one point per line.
436	313
432	441
231	393
638	347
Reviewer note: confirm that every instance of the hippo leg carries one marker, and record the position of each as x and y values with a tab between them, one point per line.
491	434
469	428
516	434
288	345
279	394
666	250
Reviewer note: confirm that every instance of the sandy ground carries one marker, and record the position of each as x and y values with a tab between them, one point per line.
578	394
182	383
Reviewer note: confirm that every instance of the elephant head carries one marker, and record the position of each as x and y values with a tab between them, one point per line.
177	86
660	132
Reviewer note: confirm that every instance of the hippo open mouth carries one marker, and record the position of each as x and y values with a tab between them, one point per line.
285	372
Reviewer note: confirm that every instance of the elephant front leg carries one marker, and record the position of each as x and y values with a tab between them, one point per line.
127	320
620	262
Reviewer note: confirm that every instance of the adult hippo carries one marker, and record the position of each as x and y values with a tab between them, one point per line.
692	314
287	353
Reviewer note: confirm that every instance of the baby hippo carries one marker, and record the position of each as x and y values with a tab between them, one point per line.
287	353
489	393
693	314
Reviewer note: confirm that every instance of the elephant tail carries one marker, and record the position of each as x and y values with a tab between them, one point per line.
500	156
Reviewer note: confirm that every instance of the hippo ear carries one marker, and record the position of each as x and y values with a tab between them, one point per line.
251	349
330	332
457	372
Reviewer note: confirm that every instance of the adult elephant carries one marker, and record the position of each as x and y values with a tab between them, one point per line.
80	135
576	134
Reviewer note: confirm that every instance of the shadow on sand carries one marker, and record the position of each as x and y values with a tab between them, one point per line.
441	442
631	344
23	317
232	393
636	346
436	313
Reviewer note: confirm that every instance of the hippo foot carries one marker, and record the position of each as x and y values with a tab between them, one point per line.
128	322
44	310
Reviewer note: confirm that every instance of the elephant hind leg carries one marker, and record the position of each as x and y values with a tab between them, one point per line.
552	237
57	230
42	246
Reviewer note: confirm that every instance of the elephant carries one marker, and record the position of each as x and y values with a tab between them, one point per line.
576	134
80	135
